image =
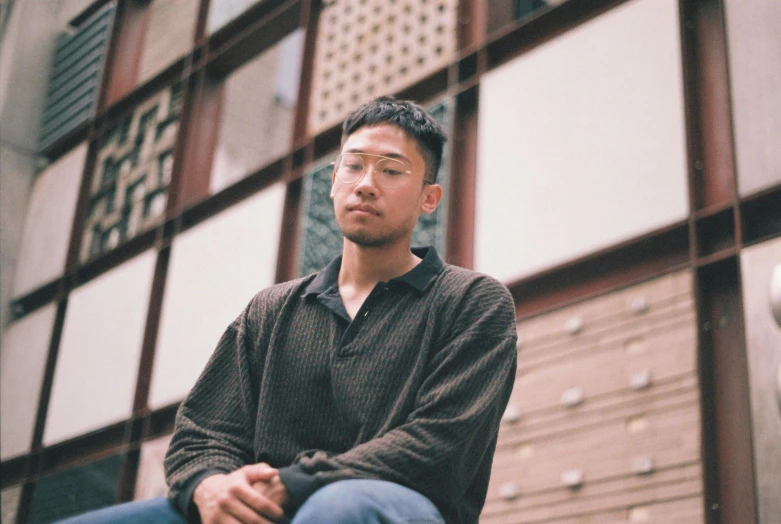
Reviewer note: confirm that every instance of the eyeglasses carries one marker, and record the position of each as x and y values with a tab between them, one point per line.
388	172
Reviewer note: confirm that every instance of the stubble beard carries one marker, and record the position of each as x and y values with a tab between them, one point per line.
366	239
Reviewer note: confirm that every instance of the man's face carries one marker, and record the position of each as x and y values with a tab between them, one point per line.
371	215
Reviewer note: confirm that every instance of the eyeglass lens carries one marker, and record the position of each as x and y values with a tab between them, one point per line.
388	172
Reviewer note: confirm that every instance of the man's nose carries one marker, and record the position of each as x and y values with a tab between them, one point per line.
367	184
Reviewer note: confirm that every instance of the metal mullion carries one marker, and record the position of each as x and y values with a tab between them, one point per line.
727	454
303	148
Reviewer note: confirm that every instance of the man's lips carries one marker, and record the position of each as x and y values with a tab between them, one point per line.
363	208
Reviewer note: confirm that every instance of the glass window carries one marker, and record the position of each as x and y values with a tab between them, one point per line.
76	490
132	173
215	269
581	142
97	365
258	109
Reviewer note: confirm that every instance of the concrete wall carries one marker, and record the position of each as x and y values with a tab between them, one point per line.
26	53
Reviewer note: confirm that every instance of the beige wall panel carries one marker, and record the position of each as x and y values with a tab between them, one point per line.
97	365
150	482
215	269
25	347
674	510
9	504
170	34
604	450
370	48
763	339
581	142
256	124
754	42
628	359
49	221
223	11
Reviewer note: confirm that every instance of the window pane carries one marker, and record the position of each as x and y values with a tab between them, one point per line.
97	365
169	35
76	490
370	48
257	114
581	142
132	173
24	352
215	269
49	220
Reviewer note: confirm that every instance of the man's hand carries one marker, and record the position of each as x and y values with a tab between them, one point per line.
273	489
232	499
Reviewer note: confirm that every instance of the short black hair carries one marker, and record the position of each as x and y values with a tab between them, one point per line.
411	118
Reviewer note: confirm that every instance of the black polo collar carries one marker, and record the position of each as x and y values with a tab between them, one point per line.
419	277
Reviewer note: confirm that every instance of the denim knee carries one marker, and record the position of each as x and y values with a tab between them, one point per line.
361	501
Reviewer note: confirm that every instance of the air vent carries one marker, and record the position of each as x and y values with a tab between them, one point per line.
75	79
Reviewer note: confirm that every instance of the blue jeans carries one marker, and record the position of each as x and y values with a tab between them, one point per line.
345	502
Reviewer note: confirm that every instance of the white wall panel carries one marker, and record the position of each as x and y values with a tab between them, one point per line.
215	269
22	363
97	365
763	340
581	142
49	220
754	43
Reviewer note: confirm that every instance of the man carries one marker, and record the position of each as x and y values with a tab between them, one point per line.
369	392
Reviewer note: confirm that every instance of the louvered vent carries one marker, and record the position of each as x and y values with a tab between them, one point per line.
75	78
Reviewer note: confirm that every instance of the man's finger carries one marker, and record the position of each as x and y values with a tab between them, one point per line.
243	514
260	503
258	472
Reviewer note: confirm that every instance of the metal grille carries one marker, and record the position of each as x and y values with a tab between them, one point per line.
75	80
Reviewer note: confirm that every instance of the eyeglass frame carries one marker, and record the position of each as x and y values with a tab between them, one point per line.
366	170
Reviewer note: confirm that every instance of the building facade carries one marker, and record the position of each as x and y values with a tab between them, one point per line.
615	163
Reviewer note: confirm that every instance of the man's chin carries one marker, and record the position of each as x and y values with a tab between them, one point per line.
365	239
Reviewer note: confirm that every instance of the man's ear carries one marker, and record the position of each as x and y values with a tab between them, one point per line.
432	194
333	182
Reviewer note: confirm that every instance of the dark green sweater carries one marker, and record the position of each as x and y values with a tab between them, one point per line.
410	391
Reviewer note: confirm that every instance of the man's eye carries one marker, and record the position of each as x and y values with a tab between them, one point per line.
354	167
393	172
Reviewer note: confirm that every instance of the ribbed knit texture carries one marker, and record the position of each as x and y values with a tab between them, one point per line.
412	391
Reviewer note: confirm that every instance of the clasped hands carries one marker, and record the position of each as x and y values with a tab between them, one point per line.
253	494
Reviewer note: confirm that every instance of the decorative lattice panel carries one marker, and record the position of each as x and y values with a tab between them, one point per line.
368	48
603	424
132	173
321	240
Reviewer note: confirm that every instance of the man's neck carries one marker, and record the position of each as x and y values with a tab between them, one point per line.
363	267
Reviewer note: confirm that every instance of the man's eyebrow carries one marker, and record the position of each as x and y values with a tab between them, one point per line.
389	155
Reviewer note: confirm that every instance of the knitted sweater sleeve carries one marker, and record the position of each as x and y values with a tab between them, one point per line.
213	431
453	426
